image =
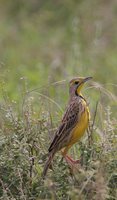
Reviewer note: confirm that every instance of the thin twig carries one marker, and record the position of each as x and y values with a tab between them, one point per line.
4	190
21	185
94	118
32	161
85	183
90	129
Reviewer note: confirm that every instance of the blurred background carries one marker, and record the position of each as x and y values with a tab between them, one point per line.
43	42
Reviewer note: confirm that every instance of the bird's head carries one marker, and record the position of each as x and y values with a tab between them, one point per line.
76	84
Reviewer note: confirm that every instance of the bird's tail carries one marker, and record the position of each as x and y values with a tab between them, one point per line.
47	164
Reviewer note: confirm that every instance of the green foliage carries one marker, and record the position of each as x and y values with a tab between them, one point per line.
24	139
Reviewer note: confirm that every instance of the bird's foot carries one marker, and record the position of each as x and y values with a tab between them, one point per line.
73	164
69	159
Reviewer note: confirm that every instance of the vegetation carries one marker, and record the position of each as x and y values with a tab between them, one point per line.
42	45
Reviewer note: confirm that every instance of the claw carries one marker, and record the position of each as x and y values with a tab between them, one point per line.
69	159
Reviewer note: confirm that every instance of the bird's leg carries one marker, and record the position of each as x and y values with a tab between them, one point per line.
71	162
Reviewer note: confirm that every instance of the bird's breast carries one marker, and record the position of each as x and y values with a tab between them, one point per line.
81	125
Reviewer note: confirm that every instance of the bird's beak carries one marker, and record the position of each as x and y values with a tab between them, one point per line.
86	79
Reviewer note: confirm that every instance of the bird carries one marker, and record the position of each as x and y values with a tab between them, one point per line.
73	124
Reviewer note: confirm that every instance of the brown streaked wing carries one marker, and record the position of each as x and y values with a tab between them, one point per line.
69	121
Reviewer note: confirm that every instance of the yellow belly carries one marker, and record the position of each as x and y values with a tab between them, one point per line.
80	128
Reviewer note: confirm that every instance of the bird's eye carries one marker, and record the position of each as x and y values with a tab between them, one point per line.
76	82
